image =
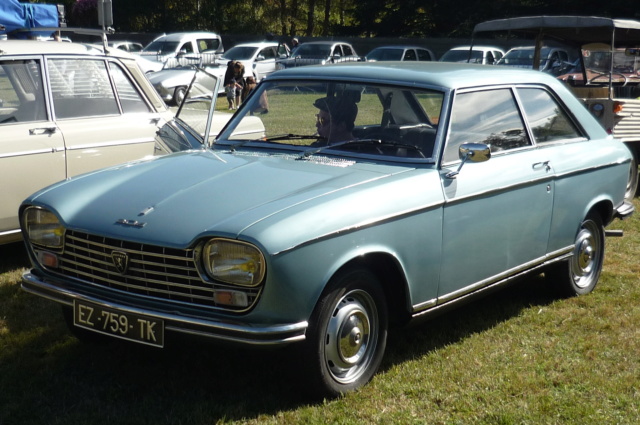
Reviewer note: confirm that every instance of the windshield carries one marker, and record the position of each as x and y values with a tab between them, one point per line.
462	56
310	116
240	53
385	54
524	57
161	47
600	61
313	50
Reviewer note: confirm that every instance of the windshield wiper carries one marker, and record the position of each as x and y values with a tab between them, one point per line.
374	142
292	137
235	146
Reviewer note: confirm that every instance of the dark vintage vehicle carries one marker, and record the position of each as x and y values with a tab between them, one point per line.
338	201
606	74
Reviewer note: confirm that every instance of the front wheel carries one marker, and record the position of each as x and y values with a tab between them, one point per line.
579	275
178	95
347	334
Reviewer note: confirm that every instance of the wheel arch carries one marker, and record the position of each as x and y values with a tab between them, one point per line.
602	207
392	279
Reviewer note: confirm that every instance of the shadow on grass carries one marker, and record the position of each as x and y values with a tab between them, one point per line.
56	379
13	256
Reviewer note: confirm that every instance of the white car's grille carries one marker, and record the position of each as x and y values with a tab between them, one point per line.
151	271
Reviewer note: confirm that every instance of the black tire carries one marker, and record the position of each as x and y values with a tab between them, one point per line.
579	275
178	95
347	334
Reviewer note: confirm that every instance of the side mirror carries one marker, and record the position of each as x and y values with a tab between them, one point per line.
474	152
259	58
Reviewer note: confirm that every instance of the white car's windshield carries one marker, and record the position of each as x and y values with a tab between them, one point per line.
240	53
362	118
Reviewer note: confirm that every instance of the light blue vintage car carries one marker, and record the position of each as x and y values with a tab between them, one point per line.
339	201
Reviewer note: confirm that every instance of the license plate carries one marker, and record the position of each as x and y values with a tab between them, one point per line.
124	325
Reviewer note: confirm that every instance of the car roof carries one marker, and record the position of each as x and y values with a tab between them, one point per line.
256	44
325	42
176	36
33	47
398	46
477	47
447	75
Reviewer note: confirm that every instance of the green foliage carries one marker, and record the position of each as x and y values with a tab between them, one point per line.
367	18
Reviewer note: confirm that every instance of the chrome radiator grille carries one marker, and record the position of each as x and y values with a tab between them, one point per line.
153	271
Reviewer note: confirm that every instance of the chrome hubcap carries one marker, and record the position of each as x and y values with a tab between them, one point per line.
351	337
586	255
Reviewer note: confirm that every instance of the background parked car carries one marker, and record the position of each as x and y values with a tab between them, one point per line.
172	47
553	60
320	53
68	108
347	209
259	59
400	53
127	46
485	55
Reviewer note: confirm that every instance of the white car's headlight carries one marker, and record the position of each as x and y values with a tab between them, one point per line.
43	228
233	262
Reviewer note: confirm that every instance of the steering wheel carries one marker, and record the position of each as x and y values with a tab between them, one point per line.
606	74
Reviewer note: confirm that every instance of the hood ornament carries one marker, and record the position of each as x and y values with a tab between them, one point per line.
131	223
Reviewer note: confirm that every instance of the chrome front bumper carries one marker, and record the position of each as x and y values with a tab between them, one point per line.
232	332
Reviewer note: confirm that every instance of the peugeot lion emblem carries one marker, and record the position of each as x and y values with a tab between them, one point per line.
120	260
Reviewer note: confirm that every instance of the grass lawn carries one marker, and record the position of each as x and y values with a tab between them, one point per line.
519	356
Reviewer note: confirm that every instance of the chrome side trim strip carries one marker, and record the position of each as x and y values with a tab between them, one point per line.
493	281
217	329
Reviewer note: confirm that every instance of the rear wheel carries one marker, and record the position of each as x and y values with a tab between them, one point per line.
347	334
579	275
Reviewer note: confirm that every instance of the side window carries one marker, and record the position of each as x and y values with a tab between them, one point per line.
410	55
81	88
130	99
548	121
186	47
208	44
423	55
337	51
348	51
490	117
21	93
268	53
490	59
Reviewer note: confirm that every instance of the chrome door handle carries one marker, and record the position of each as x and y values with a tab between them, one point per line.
42	130
544	164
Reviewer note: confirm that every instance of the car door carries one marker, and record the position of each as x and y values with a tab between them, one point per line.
31	146
102	115
265	62
497	213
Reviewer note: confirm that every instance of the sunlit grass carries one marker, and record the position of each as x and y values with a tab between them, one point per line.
519	356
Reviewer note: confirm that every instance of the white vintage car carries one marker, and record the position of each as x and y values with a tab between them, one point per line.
69	108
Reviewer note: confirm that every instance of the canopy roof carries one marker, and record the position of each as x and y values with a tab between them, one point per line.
570	29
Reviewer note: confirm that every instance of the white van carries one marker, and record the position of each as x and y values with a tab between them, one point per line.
169	47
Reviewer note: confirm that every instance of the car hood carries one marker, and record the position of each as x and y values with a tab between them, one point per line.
171	77
175	199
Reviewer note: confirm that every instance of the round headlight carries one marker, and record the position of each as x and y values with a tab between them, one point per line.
43	228
233	262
